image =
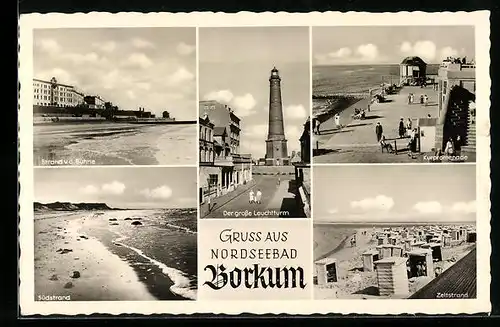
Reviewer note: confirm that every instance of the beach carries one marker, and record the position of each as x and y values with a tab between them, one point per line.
114	144
115	255
355	283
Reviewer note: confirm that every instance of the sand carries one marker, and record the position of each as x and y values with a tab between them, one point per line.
354	283
100	274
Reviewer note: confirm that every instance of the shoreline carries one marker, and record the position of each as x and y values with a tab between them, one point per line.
327	113
108	268
61	251
339	247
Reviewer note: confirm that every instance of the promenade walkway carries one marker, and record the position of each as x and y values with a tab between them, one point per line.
357	142
274	197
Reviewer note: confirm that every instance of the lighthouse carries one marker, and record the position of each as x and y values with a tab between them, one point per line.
276	143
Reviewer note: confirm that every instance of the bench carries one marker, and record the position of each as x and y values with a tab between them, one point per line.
392	142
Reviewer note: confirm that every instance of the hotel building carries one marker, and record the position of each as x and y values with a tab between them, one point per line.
53	93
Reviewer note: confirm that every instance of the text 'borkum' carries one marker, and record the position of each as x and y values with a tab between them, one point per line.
255	277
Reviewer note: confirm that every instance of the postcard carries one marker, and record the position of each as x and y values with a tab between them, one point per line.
263	163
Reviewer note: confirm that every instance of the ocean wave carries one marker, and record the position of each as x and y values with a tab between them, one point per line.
180	279
183	228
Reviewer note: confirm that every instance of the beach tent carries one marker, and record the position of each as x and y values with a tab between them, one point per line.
436	251
327	271
392	276
369	257
471	237
384	250
422	257
446	240
397	251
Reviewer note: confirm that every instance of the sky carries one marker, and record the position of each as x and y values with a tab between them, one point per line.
344	45
394	193
153	68
155	188
235	65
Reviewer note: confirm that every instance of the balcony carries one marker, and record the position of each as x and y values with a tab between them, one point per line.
226	161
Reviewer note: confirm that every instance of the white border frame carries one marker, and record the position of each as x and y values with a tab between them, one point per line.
479	19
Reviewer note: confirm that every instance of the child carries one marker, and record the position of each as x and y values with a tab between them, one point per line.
252	197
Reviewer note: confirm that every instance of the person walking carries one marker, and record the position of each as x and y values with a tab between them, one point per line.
318	123
258	197
314	123
426	100
449	149
337	121
401	129
379	131
251	198
458	145
408	126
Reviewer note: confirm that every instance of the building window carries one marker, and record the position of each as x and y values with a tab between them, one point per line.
212	180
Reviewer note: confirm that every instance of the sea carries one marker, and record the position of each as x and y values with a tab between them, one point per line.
159	244
353	79
103	143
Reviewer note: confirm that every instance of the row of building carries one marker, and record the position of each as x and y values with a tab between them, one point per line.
53	93
222	166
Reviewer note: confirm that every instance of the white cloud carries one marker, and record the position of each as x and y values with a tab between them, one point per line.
243	105
295	112
142	44
340	53
89	189
368	51
49	46
425	49
333	211
113	188
464	207
180	75
139	60
406	47
429	207
109	46
161	192
380	202
448	52
185	49
224	96
60	74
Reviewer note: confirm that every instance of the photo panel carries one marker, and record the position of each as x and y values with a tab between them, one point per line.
394	94
114	96
254	118
115	234
395	231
